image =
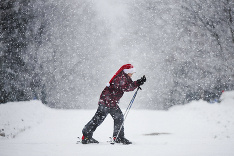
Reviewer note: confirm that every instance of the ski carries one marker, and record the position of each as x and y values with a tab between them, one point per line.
78	141
111	141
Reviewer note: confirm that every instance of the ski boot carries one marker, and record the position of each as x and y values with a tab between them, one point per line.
122	140
86	140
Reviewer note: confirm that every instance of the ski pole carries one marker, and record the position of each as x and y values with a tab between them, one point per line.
127	110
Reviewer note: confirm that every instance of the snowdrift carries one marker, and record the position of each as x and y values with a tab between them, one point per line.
227	95
16	117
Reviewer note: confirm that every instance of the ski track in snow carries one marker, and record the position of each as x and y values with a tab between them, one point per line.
194	129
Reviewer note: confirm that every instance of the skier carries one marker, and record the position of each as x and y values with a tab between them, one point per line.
108	103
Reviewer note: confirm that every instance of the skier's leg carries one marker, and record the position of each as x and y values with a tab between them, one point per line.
118	118
97	119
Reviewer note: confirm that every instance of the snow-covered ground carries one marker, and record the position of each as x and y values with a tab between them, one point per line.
194	129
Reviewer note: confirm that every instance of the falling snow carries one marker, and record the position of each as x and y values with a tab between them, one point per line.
64	52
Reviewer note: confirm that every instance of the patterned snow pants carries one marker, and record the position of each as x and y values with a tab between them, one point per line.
100	116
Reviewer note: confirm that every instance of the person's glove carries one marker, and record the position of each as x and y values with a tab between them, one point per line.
141	80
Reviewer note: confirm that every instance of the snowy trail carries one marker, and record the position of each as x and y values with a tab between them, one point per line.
195	129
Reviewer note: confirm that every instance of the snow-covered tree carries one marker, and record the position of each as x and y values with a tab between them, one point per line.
72	54
49	51
207	69
186	46
18	31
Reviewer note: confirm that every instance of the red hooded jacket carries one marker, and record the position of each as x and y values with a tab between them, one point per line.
111	95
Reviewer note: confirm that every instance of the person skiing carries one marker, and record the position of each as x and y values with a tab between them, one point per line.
108	103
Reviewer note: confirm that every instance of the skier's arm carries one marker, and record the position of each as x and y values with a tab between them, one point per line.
124	84
134	84
131	86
